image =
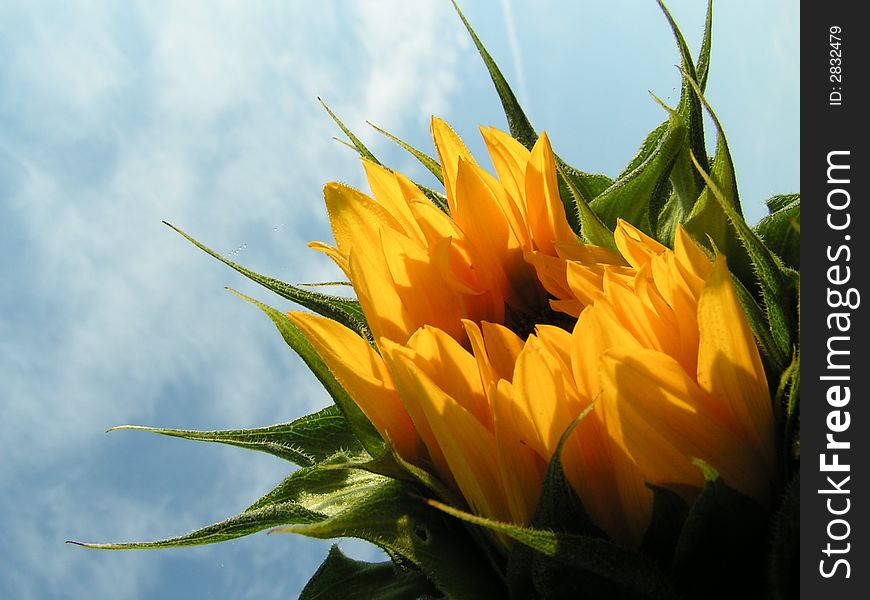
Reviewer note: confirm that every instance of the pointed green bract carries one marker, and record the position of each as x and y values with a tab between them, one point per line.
305	442
247	523
354	140
781	229
703	62
787	402
427	161
591	227
635	574
629	197
356	419
349	579
346	311
394	517
690	107
773	281
774	358
518	122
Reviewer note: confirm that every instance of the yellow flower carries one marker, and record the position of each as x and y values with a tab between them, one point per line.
413	265
665	351
654	340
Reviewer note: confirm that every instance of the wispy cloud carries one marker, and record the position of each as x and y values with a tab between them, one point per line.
204	115
511	31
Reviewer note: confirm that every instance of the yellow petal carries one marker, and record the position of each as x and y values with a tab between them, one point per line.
596	331
509	157
546	214
354	217
635	246
522	469
660	416
383	306
452	368
362	373
450	149
729	366
539	392
389	194
417	281
468	447
332	252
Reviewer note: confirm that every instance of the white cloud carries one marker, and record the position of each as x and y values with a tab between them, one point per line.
204	115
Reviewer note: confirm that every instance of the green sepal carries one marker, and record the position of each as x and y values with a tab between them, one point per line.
390	464
722	549
630	196
775	283
349	579
635	575
702	65
787	404
355	142
346	311
774	359
784	574
427	161
518	122
306	496
590	226
393	517
689	107
781	229
362	428
576	187
304	442
714	217
674	208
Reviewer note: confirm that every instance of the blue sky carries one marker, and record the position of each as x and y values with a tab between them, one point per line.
117	115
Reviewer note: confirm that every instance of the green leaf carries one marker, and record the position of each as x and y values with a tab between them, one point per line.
305	441
427	161
781	230
519	124
636	575
362	428
349	579
355	141
629	197
785	548
346	311
723	545
393	517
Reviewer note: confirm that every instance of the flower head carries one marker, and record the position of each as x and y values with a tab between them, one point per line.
653	342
